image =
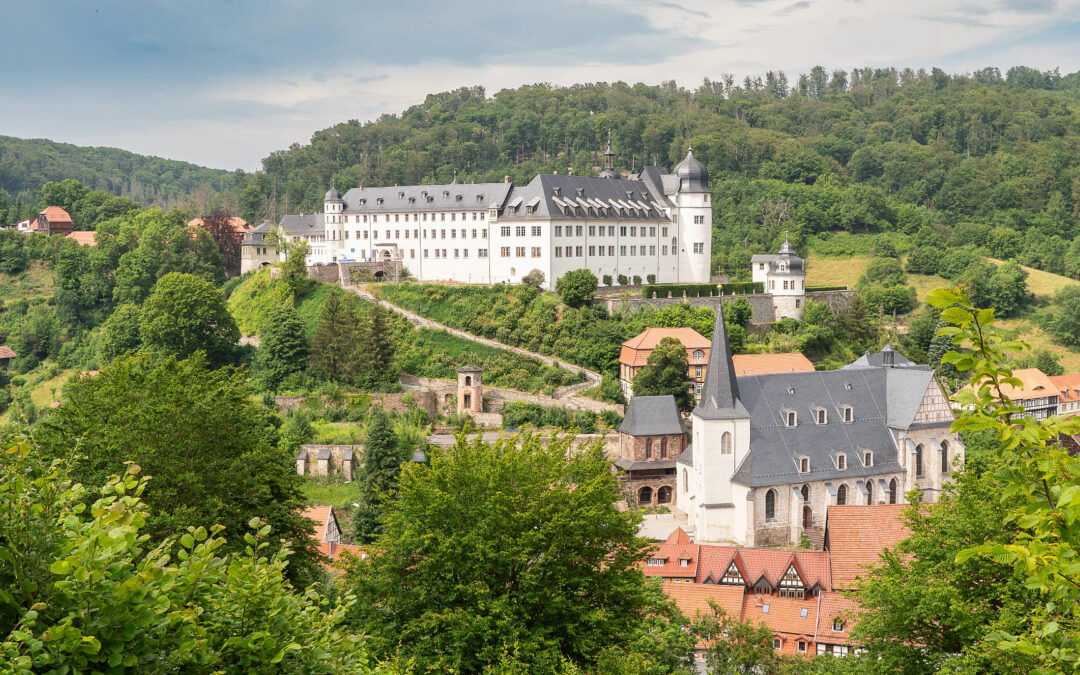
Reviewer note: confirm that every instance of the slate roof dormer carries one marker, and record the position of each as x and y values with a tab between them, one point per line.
720	393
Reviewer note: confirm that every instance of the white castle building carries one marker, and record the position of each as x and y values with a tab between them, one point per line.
783	275
651	223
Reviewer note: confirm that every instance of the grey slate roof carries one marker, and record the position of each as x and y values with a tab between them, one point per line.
883	400
470	369
720	391
452	197
551	193
651	416
630	465
256	236
309	224
692	174
876	360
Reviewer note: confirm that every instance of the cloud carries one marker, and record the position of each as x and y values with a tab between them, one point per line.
1029	6
794	7
959	21
680	8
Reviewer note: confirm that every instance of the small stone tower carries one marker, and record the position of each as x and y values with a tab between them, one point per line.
470	396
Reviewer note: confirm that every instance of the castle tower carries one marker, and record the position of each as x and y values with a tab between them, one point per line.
693	212
470	395
609	161
720	437
334	221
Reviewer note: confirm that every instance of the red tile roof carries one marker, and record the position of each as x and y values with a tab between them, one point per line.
693	599
792	616
321	515
55	214
83	237
836	606
238	224
6	352
856	536
1068	386
769	364
635	351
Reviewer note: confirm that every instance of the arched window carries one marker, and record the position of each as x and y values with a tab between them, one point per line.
468	380
841	495
644	495
770	505
918	460
663	447
699	354
892	491
805	493
725	443
944	457
663	495
648	448
869	493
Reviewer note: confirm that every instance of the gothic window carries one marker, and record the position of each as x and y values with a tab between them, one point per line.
869	493
663	495
805	491
725	444
644	495
685	483
892	491
770	505
944	457
918	460
841	495
663	447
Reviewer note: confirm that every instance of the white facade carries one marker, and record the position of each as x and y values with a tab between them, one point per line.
653	223
783	276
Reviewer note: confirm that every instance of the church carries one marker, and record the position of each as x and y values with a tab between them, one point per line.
769	453
651	223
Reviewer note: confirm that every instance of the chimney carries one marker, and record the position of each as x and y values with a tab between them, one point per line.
888	356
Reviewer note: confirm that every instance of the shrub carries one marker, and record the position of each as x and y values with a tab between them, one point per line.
607	279
623	280
650	278
637	279
576	286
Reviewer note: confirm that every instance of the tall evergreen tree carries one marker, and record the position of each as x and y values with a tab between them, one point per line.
377	350
383	457
333	348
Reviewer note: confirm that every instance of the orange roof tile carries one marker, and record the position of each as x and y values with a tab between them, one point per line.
55	214
84	238
693	599
835	606
320	514
636	350
237	223
6	352
784	615
768	364
856	536
1068	386
1036	385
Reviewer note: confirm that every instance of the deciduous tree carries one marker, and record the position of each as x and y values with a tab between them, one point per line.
666	373
186	314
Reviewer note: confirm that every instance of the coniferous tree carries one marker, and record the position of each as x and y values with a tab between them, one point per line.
376	350
383	457
334	344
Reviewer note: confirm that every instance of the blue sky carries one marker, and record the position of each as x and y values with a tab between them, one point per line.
225	82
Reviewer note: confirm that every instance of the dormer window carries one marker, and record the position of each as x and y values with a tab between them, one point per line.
849	413
783	267
791	391
684	562
401	195
445	194
699	354
841	461
838	625
655	562
821	416
379	200
868	458
804	465
790	418
457	198
412	200
528	210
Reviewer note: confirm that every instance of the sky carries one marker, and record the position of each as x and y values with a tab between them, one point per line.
223	83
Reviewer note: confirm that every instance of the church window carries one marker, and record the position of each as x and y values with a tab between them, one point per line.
892	491
725	443
648	448
918	460
770	505
944	457
663	495
868	458
791	418
645	495
841	462
849	413
804	465
841	495
822	416
805	491
663	447
685	482
869	493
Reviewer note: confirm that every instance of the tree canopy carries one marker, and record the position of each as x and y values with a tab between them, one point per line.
186	314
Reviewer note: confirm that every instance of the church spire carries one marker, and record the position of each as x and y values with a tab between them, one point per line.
720	392
609	160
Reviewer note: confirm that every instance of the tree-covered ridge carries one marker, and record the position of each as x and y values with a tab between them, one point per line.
28	164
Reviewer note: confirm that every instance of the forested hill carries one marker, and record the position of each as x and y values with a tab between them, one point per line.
27	164
866	150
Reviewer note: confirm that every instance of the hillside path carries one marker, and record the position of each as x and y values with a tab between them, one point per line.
568	393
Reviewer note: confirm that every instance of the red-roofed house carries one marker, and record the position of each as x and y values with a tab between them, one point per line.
237	223
54	220
327	535
83	237
855	536
836	617
6	354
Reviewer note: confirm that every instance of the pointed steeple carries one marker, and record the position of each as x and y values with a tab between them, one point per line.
720	392
609	160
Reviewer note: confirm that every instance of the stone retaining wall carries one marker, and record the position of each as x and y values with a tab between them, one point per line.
838	301
446	388
328	274
760	303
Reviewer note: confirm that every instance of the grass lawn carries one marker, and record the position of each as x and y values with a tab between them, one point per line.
1042	284
1035	336
42	393
340	495
37	281
351	433
834	271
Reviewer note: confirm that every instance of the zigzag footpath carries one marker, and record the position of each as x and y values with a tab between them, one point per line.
563	397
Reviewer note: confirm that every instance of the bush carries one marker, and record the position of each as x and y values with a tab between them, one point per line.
637	279
623	280
924	260
811	289
576	286
518	413
742	287
678	290
650	278
607	279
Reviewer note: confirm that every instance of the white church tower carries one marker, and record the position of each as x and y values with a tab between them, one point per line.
694	213
333	221
716	507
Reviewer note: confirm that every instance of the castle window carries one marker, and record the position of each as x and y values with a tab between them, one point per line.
770	505
804	465
841	461
868	458
725	443
648	448
663	447
944	457
841	495
822	416
849	413
645	495
663	495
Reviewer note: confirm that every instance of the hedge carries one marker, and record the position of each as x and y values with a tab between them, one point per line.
826	288
677	290
742	287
